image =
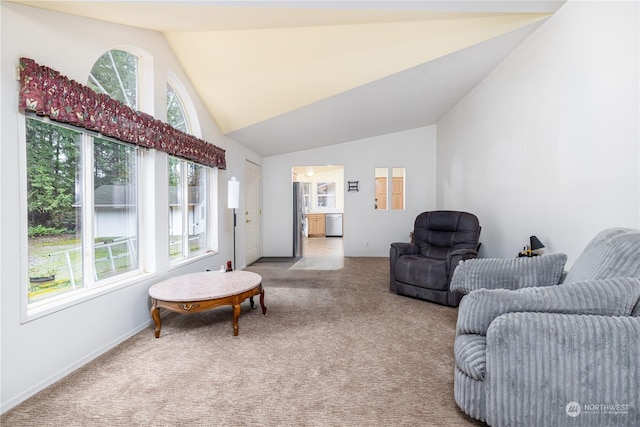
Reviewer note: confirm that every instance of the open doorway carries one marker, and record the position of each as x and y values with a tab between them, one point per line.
319	217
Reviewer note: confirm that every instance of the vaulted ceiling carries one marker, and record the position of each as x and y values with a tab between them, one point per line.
284	76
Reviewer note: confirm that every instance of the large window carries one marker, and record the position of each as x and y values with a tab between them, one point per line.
326	194
54	167
115	208
82	195
187	209
82	209
187	193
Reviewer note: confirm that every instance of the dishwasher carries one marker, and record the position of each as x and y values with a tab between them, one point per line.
333	225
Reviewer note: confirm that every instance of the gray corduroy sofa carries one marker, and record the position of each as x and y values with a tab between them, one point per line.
530	353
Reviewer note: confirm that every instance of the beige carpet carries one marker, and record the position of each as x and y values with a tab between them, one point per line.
335	349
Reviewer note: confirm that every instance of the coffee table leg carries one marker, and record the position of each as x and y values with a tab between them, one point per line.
155	315
251	302
264	308
236	314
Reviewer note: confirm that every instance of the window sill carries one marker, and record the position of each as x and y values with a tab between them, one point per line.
54	304
182	262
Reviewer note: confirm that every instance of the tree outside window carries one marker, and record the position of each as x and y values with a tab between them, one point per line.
116	74
64	217
55	234
176	115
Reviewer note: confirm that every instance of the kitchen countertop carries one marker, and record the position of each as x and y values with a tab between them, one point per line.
324	212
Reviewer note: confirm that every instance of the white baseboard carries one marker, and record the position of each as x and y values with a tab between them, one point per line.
69	369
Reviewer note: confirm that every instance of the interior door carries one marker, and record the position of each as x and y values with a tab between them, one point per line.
381	193
397	192
253	212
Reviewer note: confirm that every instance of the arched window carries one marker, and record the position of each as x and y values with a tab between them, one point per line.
103	215
176	114
116	74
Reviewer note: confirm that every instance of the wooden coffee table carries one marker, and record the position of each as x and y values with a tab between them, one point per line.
195	292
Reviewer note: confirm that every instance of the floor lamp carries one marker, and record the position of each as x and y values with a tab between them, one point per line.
233	199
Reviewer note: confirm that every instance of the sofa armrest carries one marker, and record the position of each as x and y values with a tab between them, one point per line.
555	369
402	248
454	257
508	273
397	250
609	297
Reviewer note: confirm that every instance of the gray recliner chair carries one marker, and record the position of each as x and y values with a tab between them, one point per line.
423	268
530	353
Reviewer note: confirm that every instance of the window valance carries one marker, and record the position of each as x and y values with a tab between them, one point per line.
48	93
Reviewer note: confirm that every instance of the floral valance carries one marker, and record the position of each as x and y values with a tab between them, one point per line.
48	93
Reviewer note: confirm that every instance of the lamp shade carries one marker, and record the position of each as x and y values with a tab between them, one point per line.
233	193
535	243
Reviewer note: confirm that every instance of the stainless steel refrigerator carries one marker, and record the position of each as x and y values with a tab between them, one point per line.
299	218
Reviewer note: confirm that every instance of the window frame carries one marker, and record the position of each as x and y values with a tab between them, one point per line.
91	288
97	87
211	241
186	103
183	111
150	257
209	245
329	195
144	102
306	194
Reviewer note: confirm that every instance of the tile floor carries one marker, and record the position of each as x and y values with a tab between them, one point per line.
321	253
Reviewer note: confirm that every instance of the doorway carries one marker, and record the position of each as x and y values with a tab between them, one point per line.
321	253
323	197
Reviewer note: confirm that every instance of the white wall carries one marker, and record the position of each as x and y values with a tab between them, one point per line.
367	232
548	144
36	353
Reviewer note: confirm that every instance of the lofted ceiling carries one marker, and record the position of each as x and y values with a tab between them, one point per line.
285	76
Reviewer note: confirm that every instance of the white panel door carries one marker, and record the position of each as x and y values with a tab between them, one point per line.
253	212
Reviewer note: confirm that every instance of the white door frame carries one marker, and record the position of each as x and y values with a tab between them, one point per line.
253	211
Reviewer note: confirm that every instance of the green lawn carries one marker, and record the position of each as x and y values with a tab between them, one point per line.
61	256
54	255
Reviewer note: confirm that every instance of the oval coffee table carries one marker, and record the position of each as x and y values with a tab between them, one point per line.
191	293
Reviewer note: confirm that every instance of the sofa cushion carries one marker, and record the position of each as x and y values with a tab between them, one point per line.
607	297
470	352
508	273
422	272
614	252
430	251
438	232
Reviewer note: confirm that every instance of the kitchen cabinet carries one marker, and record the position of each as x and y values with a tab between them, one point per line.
316	224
